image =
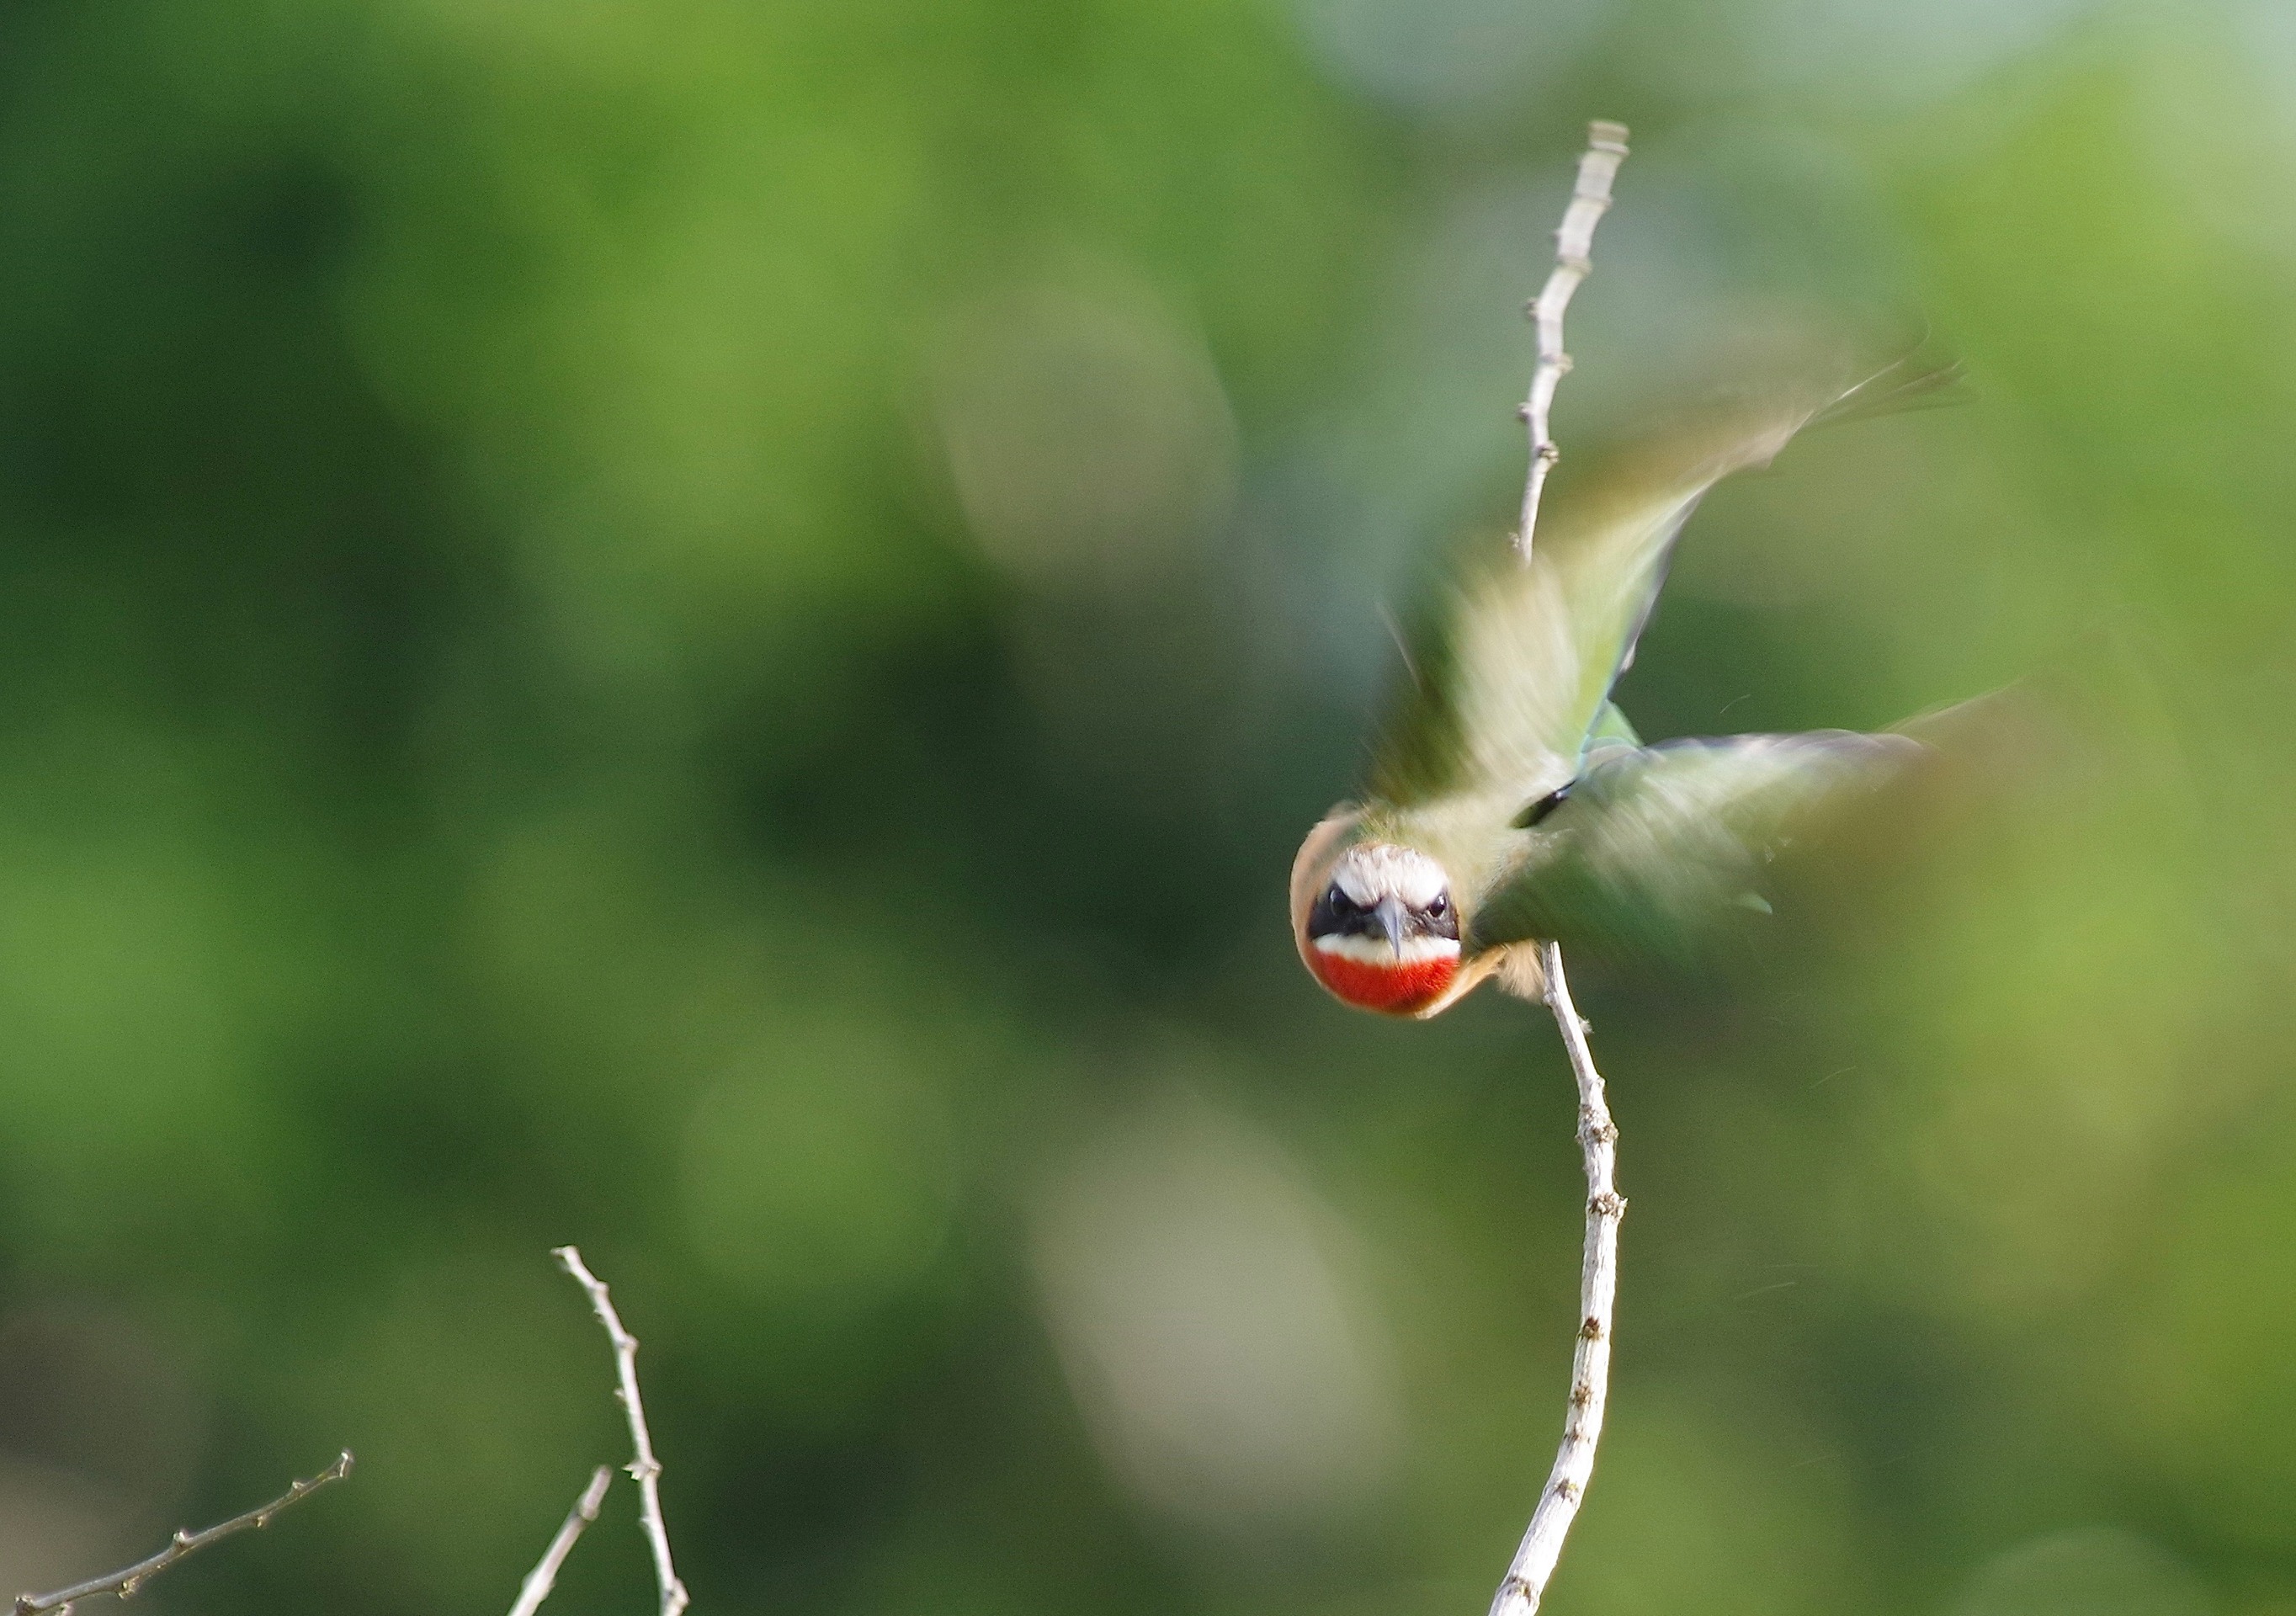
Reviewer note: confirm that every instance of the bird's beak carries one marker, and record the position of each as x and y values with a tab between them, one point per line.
1390	911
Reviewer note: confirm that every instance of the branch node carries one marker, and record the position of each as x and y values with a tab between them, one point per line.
1598	1280
183	1543
644	1468
1574	243
544	1577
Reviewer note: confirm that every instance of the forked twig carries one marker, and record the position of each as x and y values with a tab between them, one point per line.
1598	1285
1590	198
544	1577
182	1545
645	1469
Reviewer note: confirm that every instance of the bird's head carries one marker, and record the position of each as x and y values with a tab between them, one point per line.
1383	931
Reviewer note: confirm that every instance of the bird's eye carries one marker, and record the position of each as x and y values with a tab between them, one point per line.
1342	904
1439	907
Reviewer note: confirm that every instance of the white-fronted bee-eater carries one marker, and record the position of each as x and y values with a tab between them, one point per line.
1510	801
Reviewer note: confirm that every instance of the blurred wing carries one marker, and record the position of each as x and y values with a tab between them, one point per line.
1610	727
1655	842
1505	693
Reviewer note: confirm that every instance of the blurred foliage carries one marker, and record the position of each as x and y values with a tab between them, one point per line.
706	628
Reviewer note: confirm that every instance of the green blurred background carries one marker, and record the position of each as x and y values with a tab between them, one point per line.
707	627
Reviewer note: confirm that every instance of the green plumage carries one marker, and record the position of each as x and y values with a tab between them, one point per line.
1505	760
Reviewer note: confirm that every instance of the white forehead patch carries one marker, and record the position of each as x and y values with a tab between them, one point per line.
1380	869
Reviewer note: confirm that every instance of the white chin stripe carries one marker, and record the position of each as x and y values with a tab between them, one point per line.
1366	950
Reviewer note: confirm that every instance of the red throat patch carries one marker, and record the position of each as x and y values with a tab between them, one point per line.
1404	988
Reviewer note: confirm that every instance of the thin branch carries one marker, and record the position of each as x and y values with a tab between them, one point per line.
1598	1284
184	1543
644	1467
1590	198
1598	1137
544	1577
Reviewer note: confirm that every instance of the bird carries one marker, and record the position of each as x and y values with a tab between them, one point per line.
1510	802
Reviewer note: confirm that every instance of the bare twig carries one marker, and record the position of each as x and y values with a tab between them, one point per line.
1598	166
544	1577
644	1467
184	1543
1598	1137
1598	1283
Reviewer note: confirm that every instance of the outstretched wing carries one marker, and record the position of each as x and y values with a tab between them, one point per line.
1652	843
1505	688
